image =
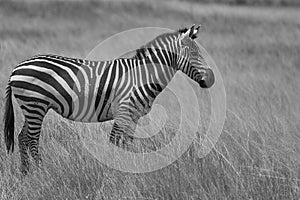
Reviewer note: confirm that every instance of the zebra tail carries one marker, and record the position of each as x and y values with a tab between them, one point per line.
9	120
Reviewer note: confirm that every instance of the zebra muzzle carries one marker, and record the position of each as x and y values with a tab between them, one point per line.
208	79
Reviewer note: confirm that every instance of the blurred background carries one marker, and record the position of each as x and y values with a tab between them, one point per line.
256	46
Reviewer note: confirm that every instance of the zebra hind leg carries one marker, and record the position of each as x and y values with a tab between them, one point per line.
34	130
23	149
34	115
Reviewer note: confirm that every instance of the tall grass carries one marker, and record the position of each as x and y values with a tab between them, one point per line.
257	155
252	2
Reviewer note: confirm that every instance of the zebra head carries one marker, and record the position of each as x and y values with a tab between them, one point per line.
191	60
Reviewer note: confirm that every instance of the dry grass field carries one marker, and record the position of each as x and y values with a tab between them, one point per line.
257	51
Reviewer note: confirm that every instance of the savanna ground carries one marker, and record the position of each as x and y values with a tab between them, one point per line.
257	51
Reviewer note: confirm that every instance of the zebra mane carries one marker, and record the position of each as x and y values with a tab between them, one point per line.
183	30
143	51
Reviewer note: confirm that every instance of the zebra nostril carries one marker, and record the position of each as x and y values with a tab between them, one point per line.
202	84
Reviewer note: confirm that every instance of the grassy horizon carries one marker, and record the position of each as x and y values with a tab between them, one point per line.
257	52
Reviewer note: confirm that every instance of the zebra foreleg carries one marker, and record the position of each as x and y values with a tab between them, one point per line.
121	134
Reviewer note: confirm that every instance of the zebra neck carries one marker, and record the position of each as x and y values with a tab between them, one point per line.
159	71
160	57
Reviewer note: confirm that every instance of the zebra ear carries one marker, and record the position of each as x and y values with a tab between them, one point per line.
192	31
189	31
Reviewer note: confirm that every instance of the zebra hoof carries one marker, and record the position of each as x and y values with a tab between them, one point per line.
38	161
24	170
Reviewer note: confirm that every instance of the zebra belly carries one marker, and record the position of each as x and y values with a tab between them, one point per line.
93	119
105	111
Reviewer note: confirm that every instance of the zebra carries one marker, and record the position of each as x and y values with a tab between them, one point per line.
122	90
